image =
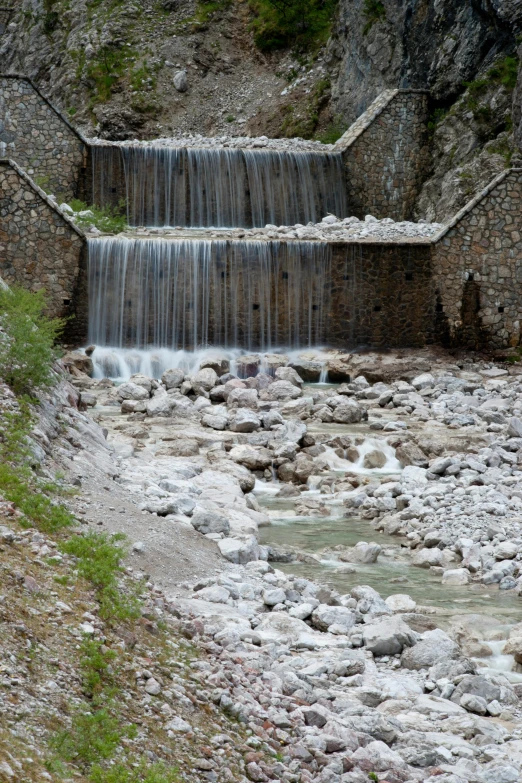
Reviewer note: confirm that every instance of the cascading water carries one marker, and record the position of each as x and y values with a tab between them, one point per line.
174	295
176	186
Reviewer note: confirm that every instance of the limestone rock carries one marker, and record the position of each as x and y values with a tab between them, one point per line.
388	636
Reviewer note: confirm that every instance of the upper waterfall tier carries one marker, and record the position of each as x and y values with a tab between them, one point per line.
198	187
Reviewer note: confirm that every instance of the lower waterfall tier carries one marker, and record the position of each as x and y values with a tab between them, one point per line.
190	294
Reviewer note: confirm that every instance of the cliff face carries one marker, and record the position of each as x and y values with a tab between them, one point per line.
147	68
440	45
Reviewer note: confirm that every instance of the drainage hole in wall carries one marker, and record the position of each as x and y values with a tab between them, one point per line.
315	307
377	309
255	307
501	309
285	275
470	277
67	301
114	190
409	276
439	308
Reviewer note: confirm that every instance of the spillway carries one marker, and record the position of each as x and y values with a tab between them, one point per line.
190	294
198	187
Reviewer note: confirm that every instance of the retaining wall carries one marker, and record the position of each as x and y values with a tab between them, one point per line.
386	154
40	139
41	248
477	267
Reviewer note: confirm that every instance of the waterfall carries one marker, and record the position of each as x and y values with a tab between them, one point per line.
189	294
197	187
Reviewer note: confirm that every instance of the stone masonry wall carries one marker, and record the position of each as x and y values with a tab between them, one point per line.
477	264
40	139
41	248
382	295
386	153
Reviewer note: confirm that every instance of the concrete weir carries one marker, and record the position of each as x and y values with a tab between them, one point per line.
458	287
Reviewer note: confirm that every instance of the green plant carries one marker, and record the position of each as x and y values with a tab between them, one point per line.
27	340
302	24
230	118
110	220
99	560
373	776
43	182
142	773
333	131
206	10
96	666
435	118
373	11
105	71
93	736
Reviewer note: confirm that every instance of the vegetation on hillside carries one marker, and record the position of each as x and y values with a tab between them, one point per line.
300	24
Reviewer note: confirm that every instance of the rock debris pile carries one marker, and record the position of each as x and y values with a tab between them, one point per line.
295	144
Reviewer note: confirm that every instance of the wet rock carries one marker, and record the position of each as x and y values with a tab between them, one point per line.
309	371
374	459
290	375
220	365
425	558
348	412
78	364
456	577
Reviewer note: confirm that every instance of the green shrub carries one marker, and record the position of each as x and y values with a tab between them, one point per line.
332	132
144	773
99	560
302	24
373	11
110	220
96	666
93	736
27	342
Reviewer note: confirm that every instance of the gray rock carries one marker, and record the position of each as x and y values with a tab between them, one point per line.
173	378
244	420
474	704
210	522
204	380
325	616
273	597
180	81
239	551
388	636
514	429
131	391
433	646
290	375
282	390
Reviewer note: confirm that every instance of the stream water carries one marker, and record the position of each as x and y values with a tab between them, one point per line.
316	536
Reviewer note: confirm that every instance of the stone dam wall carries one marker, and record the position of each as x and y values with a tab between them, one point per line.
41	139
461	288
41	248
386	155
